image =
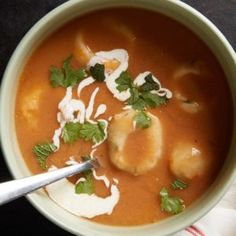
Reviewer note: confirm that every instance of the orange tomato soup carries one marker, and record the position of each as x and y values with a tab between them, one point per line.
199	112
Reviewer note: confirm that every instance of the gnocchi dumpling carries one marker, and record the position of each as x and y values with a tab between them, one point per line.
30	106
83	54
127	154
120	28
82	51
188	77
188	161
187	105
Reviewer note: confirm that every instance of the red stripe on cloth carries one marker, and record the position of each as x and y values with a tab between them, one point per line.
191	231
197	230
194	231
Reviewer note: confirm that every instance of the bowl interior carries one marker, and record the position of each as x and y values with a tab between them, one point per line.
64	13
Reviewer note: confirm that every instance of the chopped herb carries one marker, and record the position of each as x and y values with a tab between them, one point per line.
141	97
93	132
134	95
124	81
147	100
142	120
153	100
86	186
149	84
66	76
71	132
56	77
173	205
98	72
87	131
42	151
139	104
178	184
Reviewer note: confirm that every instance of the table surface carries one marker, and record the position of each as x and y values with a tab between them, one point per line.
16	18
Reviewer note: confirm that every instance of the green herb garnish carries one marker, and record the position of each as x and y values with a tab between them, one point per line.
86	186
93	132
142	120
178	184
124	81
66	76
149	84
42	151
153	100
87	131
173	205
98	72
141	97
146	100
71	132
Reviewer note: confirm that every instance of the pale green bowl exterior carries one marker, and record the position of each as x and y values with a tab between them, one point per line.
173	8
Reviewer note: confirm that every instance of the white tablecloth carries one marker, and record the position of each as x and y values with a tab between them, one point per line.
220	221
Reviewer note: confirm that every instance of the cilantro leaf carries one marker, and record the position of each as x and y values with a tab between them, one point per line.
86	186
70	132
147	100
87	131
178	184
153	100
66	76
42	151
142	120
141	97
93	132
139	104
149	84
98	72
56	77
134	95
173	205
124	82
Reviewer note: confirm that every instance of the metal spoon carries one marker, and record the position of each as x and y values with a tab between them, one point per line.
16	188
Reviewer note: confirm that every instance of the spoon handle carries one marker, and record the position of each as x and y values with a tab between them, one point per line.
16	188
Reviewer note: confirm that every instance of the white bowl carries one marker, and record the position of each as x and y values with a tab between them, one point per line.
56	18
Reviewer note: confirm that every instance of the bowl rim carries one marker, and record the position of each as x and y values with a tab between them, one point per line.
18	51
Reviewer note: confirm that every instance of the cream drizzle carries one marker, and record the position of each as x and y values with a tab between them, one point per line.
56	137
105	131
63	193
100	110
101	177
67	109
89	109
92	153
84	83
139	80
71	161
120	55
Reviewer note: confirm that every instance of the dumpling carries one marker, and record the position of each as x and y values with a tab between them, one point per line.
188	161
133	149
30	106
83	54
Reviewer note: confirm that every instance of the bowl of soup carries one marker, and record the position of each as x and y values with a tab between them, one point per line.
148	89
